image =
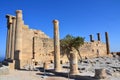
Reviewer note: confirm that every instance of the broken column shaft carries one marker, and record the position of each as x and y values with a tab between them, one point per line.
73	63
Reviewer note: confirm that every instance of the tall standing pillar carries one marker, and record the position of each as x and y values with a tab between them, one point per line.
18	38
13	37
98	35
91	38
107	43
9	34
57	65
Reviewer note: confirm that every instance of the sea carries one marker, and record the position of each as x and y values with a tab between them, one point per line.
1	59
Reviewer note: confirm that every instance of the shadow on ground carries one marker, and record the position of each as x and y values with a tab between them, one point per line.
51	73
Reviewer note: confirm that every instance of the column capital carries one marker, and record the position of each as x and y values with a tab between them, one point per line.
18	11
13	17
9	17
19	14
55	21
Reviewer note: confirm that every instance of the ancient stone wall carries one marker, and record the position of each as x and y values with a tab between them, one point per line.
38	46
93	49
35	45
43	49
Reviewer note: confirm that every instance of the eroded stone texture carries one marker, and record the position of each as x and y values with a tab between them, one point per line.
93	49
100	74
73	63
57	65
13	37
9	34
18	39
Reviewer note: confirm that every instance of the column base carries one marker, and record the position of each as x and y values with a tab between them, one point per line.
74	72
57	70
12	65
46	65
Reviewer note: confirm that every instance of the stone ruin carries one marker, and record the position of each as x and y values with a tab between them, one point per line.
25	46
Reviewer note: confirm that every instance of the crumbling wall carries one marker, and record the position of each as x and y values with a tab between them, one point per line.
93	49
35	45
38	46
44	49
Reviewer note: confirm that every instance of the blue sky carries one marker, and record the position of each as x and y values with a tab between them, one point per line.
76	17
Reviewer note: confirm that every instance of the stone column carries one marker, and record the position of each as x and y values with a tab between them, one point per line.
7	38
13	37
98	35
57	65
91	38
73	63
33	48
18	38
9	34
107	43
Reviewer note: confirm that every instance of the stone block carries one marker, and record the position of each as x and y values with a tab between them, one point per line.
100	74
4	70
12	65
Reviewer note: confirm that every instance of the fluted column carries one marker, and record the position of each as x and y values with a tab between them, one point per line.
18	38
98	35
13	37
57	65
9	34
107	43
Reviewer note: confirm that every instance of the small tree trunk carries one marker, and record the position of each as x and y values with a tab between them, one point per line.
79	55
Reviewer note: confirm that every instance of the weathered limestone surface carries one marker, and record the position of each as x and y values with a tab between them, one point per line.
4	70
18	39
93	49
73	63
57	65
100	74
13	37
12	65
9	32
